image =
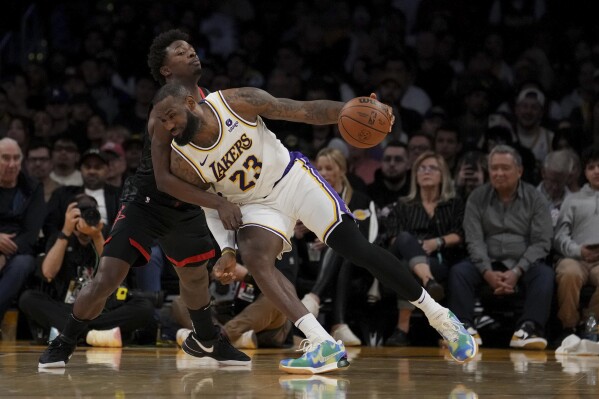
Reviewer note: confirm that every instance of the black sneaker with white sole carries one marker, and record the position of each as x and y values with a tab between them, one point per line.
528	337
57	354
219	349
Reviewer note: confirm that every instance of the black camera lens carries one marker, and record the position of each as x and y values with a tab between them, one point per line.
91	215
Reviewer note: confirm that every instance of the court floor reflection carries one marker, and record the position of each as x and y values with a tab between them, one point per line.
374	373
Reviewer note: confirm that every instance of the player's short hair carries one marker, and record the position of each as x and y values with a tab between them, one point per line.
175	90
157	53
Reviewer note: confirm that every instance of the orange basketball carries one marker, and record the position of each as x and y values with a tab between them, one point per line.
364	122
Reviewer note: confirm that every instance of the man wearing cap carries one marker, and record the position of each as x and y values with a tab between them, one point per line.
529	110
94	170
117	165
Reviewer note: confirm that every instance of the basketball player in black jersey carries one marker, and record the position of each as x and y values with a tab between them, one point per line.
148	214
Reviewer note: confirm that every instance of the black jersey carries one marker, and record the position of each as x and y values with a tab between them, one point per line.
142	185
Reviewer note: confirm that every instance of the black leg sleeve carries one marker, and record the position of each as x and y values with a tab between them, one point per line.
347	240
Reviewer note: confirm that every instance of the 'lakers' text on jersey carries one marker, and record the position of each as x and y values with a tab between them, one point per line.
234	164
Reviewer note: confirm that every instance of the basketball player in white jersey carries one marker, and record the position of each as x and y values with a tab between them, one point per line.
222	145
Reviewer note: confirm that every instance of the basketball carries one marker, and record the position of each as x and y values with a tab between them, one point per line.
364	122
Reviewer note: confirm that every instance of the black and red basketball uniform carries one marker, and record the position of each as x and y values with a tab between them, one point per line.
148	215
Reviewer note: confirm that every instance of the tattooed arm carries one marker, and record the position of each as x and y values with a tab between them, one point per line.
250	102
179	185
184	171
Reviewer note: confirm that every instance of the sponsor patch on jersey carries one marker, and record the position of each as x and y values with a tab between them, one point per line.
231	125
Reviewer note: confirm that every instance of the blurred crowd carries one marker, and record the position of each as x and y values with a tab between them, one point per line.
487	186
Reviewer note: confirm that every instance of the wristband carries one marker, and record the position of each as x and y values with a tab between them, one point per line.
228	250
440	243
62	236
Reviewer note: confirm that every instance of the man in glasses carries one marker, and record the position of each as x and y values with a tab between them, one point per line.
39	166
65	156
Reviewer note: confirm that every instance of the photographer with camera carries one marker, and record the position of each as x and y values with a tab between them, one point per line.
71	258
94	171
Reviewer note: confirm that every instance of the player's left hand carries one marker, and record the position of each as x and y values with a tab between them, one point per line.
229	214
224	268
389	112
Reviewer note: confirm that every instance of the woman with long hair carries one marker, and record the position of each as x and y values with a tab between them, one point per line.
432	216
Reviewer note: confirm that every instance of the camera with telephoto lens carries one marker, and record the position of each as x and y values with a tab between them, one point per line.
89	210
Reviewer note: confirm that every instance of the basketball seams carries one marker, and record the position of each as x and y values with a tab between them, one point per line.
364	122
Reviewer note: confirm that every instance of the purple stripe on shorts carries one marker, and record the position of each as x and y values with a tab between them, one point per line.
340	203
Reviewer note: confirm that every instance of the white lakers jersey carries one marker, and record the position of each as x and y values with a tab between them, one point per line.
246	160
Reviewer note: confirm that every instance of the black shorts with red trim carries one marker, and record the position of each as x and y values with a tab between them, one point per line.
181	232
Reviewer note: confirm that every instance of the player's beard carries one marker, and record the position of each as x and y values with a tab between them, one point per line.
191	128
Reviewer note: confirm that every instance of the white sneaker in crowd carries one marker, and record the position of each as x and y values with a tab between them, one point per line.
105	338
247	340
346	335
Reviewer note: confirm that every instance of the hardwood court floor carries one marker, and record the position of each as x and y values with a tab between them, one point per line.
374	373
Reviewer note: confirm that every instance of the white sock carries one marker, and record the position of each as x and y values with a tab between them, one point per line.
312	329
428	305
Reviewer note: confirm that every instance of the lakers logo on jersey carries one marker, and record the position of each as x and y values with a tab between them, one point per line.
220	168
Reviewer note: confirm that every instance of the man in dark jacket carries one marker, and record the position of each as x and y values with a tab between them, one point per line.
22	210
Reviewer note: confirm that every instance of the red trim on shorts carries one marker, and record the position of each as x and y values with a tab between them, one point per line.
193	259
106	241
141	249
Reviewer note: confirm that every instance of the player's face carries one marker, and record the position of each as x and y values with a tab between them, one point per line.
190	129
176	118
181	61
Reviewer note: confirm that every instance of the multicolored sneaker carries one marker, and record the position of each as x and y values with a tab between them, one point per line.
462	346
326	356
313	386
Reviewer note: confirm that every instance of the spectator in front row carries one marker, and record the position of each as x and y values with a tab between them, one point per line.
508	233
71	258
22	210
577	241
431	216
